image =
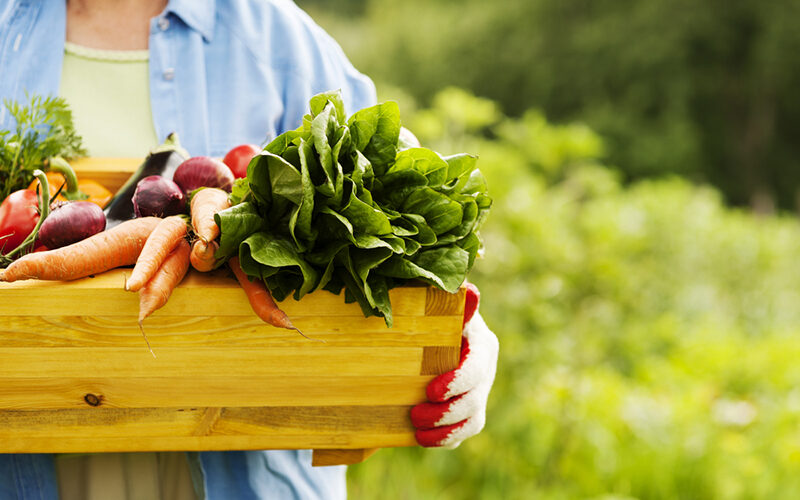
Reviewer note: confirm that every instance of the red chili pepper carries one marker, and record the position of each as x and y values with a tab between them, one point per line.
18	217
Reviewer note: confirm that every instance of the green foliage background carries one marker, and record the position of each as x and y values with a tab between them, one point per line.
649	334
648	331
703	89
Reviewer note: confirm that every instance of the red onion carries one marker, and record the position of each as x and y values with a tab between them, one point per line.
202	171
70	222
157	196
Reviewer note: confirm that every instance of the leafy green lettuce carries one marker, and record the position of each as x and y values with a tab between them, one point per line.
339	204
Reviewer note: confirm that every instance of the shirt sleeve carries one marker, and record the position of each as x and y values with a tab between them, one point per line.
320	65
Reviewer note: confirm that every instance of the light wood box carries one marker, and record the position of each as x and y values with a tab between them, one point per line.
76	376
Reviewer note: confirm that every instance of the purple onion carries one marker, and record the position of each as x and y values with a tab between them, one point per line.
70	222
202	171
157	196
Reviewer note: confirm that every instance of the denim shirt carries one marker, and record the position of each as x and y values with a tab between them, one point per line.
221	73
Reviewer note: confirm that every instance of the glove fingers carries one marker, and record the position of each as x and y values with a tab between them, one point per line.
429	415
450	436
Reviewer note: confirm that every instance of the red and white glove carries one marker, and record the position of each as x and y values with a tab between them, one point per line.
457	399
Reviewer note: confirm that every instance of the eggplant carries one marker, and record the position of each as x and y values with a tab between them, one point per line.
163	161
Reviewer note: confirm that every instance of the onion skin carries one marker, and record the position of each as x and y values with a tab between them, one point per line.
203	171
156	196
70	222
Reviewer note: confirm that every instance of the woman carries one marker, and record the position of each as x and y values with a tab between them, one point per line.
219	74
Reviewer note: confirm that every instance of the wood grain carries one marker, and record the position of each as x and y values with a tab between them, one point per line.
223	331
149	392
437	359
61	431
317	360
441	303
321	458
104	295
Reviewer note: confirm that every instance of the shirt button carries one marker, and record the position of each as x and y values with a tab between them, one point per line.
169	74
163	23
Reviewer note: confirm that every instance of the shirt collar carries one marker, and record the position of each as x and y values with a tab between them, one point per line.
197	14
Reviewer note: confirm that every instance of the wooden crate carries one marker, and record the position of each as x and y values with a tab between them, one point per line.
76	375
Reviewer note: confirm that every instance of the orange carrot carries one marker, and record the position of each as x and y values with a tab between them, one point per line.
162	241
205	203
119	246
202	256
260	298
157	291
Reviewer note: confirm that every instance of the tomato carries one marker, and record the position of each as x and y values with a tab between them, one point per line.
18	216
239	157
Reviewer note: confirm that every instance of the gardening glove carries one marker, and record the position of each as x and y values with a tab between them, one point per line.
457	399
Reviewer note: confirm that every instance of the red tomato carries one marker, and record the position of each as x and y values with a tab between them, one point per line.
239	157
18	216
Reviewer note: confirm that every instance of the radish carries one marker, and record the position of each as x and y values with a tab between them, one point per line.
203	171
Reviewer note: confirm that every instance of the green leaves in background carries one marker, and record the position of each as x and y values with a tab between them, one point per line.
42	128
335	204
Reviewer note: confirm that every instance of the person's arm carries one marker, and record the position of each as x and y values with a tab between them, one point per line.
320	65
456	407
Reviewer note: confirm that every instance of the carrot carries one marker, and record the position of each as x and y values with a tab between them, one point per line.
119	246
205	203
260	298
202	256
157	291
162	241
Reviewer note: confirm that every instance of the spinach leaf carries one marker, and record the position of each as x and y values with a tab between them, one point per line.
340	204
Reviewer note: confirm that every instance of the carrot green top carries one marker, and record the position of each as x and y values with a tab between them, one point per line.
109	94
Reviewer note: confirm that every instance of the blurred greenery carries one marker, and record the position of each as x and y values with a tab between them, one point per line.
648	333
648	329
702	89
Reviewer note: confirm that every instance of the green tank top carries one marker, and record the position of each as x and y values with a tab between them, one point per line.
109	94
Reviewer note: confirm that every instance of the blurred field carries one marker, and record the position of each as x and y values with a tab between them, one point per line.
649	335
649	325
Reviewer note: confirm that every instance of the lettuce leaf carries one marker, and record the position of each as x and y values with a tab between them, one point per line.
339	204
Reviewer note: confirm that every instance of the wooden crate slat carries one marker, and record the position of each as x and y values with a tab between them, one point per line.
316	360
219	295
223	331
112	173
299	441
231	428
148	392
187	421
341	457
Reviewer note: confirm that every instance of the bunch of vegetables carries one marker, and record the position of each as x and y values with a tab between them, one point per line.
151	231
346	204
337	204
43	136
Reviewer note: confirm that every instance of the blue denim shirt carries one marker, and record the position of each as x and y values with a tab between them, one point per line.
221	73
